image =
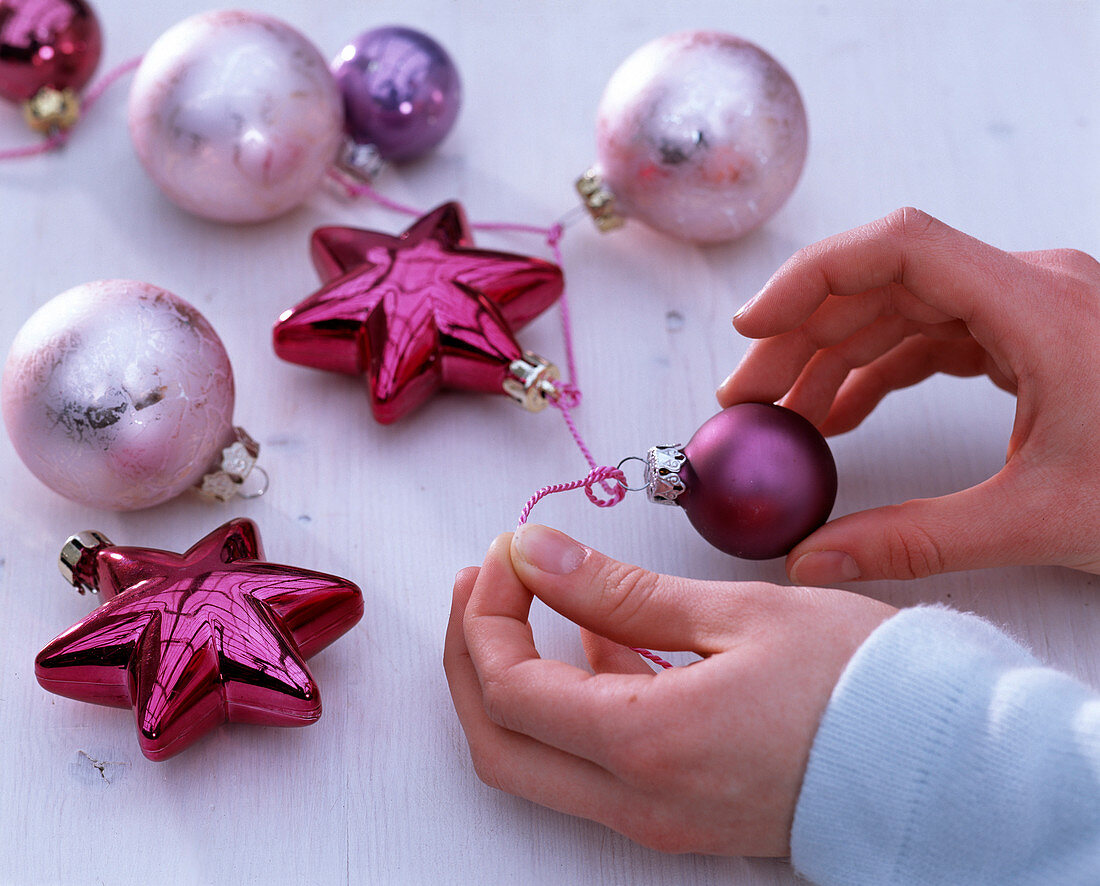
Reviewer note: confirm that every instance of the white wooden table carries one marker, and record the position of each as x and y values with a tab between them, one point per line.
986	118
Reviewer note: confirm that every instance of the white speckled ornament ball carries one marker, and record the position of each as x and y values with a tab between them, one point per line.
118	395
235	116
700	135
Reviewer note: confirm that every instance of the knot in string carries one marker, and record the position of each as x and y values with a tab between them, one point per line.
611	480
568	395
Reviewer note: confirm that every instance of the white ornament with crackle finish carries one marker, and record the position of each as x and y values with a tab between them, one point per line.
235	116
118	394
700	135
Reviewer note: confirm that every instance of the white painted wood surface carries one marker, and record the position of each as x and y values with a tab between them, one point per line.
985	115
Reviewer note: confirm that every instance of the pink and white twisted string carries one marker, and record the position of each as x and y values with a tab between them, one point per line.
609	480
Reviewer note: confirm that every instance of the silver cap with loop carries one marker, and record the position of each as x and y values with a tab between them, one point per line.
662	473
530	381
238	461
361	160
599	200
73	552
51	110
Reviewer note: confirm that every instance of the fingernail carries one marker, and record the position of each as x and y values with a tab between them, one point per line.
745	307
722	387
549	550
824	567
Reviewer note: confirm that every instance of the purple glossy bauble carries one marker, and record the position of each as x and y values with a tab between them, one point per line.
759	479
401	91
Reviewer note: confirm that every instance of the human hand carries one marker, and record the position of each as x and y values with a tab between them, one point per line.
847	320
705	758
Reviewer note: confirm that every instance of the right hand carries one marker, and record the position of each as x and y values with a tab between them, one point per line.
853	317
704	758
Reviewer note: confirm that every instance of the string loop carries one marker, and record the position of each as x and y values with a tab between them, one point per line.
611	481
569	395
615	491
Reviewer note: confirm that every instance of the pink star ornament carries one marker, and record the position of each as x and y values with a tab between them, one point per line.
421	311
194	640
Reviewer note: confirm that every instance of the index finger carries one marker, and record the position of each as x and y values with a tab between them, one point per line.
944	268
557	704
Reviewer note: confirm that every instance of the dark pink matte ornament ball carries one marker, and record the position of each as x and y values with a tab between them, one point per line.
758	479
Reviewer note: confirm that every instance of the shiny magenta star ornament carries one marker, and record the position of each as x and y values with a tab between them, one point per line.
194	640
422	311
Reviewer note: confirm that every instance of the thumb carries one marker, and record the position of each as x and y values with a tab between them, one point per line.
627	604
983	526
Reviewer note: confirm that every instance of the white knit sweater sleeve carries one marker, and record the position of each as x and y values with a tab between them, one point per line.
949	755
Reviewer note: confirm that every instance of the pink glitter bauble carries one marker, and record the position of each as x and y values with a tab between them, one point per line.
701	135
235	116
118	395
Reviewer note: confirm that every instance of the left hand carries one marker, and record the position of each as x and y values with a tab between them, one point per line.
705	758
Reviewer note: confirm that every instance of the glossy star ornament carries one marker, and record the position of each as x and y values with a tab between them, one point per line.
420	312
194	640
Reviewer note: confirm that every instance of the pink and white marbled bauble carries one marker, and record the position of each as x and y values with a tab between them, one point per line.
235	115
118	394
701	135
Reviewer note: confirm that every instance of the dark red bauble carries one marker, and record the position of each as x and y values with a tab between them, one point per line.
46	43
758	479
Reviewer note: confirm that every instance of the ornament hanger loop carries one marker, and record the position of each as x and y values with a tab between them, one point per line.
74	559
619	467
265	481
531	381
237	465
565	394
570	217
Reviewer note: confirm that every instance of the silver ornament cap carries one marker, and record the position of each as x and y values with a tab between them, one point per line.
362	161
599	200
74	551
530	381
663	464
238	461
